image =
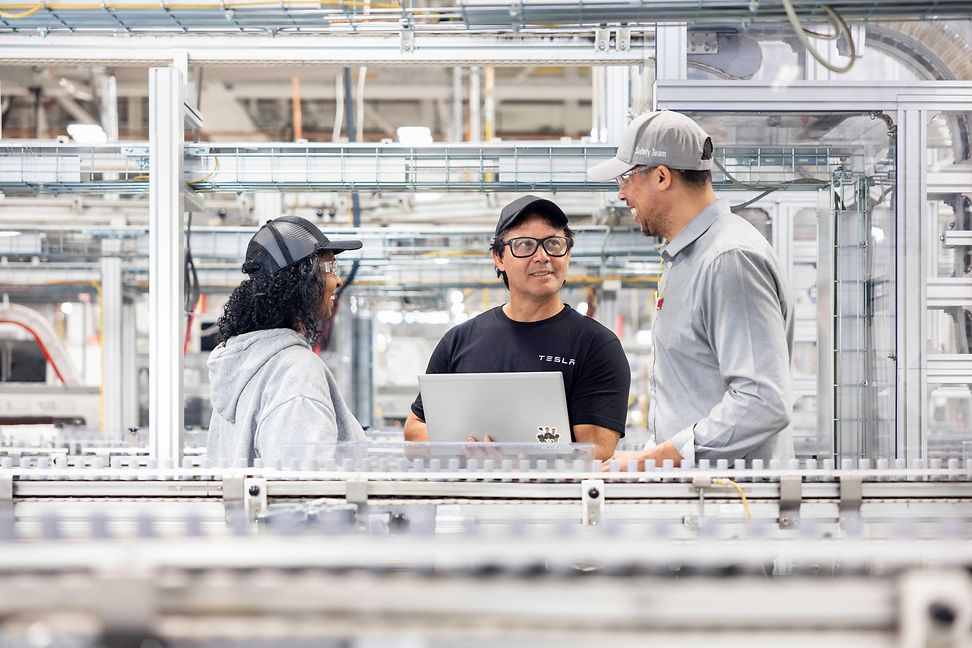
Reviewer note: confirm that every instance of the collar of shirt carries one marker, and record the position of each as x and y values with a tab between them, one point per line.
696	228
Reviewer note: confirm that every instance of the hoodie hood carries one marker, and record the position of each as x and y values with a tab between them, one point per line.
233	364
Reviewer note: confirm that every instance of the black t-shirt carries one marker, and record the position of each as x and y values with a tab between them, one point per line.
597	377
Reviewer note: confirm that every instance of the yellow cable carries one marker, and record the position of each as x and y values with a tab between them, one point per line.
208	175
188	182
742	495
56	6
23	14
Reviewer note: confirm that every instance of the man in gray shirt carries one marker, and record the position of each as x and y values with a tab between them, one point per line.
720	382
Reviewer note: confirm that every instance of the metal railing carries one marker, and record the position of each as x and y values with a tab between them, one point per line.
46	168
336	16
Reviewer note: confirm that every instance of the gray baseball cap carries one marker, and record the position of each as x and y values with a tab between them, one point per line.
658	138
284	241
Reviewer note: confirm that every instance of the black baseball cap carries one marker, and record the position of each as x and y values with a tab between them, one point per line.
526	205
284	241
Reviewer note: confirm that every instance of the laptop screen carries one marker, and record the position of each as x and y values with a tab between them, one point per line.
515	407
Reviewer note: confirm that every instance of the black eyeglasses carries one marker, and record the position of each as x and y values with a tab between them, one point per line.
526	246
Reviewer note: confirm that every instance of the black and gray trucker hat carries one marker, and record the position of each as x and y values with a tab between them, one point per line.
284	241
658	138
526	205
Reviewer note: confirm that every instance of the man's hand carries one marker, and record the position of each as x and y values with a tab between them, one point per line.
480	453
415	429
659	453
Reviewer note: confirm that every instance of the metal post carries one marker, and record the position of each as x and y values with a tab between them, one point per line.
671	51
489	104
598	134
455	133
340	355
475	114
112	421
826	411
129	360
642	89
166	260
911	284
361	367
617	102
108	95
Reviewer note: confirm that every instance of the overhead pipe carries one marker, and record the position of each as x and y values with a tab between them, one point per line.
355	197
338	108
360	103
489	104
456	133
108	104
295	105
475	99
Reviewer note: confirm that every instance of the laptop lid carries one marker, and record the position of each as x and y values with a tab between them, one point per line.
515	407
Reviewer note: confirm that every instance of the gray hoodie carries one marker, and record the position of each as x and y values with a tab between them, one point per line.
274	398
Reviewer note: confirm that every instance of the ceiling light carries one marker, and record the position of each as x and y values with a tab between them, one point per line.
87	133
8	233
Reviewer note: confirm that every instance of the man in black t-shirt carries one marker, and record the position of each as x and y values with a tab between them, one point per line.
536	331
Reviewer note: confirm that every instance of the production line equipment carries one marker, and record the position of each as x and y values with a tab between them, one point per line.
510	546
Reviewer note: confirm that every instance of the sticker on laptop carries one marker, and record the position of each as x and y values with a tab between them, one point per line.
547	434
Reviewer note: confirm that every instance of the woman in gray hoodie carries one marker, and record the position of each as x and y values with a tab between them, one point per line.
273	397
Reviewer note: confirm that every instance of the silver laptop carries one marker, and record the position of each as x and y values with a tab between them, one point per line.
528	407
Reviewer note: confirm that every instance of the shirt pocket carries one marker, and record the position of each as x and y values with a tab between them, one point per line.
679	335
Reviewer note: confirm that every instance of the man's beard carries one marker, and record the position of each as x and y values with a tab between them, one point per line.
645	229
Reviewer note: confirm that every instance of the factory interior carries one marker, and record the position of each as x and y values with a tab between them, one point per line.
143	145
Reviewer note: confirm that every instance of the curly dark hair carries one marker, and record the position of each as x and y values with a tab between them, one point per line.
289	298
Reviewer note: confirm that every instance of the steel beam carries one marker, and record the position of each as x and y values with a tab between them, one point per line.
351	51
826	308
944	292
617	102
111	344
950	369
910	284
812	96
166	259
671	52
958	239
295	17
954	179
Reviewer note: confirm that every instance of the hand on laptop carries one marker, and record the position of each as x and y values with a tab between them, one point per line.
659	453
480	453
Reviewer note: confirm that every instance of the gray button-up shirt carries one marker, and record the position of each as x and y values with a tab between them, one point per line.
723	337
